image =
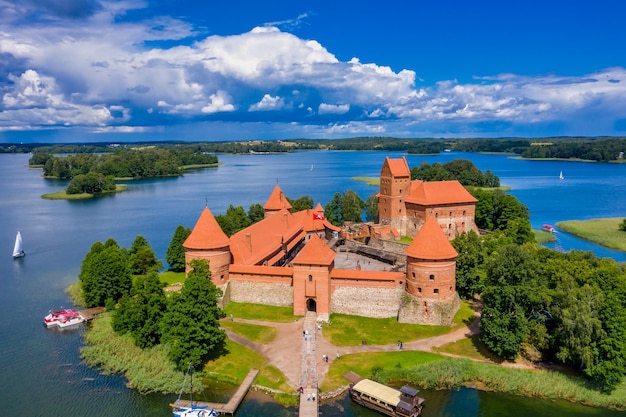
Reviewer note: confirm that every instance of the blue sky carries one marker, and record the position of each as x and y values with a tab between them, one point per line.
91	70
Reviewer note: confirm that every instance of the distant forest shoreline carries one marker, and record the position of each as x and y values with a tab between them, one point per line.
597	149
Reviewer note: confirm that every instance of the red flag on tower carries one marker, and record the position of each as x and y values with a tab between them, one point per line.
317	216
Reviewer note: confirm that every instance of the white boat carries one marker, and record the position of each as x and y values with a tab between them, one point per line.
18	252
561	175
191	410
62	318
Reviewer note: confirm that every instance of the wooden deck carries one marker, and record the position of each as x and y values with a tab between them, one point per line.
231	406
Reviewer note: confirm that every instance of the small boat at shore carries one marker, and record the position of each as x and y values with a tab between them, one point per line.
548	228
62	318
386	400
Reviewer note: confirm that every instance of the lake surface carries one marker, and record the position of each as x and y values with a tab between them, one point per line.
41	369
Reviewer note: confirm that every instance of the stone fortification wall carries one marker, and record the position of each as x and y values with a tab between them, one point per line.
383	250
389	246
367	302
276	294
417	310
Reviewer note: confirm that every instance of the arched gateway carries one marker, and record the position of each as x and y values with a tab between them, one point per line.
311	305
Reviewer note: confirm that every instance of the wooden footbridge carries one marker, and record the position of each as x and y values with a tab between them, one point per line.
231	406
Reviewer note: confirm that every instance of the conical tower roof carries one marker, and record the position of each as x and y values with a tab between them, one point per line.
207	233
315	252
431	243
277	200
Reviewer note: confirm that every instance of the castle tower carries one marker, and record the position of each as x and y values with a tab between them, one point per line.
208	241
395	187
431	278
311	278
276	202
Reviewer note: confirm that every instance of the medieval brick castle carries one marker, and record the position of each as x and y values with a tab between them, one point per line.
287	259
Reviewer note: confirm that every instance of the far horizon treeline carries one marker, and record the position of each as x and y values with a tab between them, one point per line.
600	149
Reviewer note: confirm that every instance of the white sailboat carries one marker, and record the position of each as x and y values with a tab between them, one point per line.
191	410
18	252
561	175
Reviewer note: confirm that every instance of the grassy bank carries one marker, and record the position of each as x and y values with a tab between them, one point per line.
451	373
62	195
260	312
604	232
543	237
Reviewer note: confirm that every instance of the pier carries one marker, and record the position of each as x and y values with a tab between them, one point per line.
90	313
231	406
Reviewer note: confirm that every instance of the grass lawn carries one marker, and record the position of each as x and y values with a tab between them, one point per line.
171	277
364	363
253	332
235	365
261	312
344	330
470	348
604	232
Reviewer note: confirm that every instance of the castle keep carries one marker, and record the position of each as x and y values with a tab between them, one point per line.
287	259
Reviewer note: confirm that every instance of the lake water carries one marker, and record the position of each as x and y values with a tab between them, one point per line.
41	369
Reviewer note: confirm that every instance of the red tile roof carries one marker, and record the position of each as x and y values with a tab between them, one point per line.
277	200
207	233
439	192
319	209
431	243
399	167
265	239
315	252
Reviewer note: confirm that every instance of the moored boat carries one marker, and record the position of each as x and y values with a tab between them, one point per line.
547	228
386	400
191	410
63	317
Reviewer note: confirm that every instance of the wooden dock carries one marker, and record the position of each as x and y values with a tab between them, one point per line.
231	406
91	313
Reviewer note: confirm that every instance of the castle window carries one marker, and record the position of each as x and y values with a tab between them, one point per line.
310	278
450	289
436	215
222	277
450	214
464	212
432	277
419	290
436	291
413	274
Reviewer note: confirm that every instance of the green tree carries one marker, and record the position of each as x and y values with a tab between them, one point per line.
256	213
351	207
175	254
142	258
140	313
469	264
234	220
622	226
332	210
301	203
190	326
510	295
105	274
371	209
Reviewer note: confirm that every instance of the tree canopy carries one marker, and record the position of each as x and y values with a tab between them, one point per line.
175	254
190	326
